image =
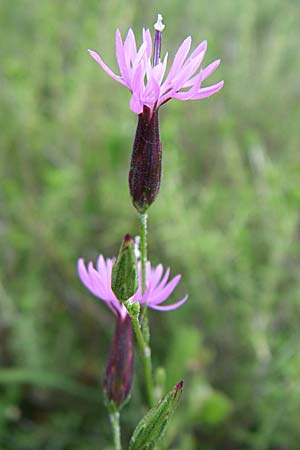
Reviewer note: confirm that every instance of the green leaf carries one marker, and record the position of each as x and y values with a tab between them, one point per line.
152	427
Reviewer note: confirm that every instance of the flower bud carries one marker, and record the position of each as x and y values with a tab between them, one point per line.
119	368
124	277
145	166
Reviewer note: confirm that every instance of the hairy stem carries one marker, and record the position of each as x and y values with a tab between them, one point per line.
144	258
144	325
143	247
115	423
146	359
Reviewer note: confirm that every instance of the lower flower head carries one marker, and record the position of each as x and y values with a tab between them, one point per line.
158	288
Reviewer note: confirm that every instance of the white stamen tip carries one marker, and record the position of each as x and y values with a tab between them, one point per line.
159	26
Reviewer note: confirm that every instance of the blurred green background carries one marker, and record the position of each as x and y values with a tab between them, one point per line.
227	218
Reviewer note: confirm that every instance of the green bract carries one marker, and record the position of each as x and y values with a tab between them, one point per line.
124	277
152	427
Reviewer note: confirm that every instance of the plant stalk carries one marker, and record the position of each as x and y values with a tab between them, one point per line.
143	247
144	258
146	351
146	359
115	423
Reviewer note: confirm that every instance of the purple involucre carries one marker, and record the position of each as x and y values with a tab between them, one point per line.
158	289
146	78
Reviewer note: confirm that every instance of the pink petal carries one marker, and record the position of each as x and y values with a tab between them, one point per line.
138	295
115	304
152	91
101	266
161	295
130	47
170	307
106	69
146	295
120	54
122	310
201	48
164	280
148	40
109	266
135	104
208	91
166	96
176	84
180	57
84	276
93	285
98	283
181	78
156	276
192	91
186	72
159	70
139	56
137	85
206	72
209	70
105	276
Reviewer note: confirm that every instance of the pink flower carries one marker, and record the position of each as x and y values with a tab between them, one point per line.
158	289
144	74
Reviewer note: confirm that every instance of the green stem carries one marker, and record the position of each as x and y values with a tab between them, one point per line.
143	248
115	423
146	359
144	327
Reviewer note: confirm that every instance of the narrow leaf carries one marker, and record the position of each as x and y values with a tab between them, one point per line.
152	427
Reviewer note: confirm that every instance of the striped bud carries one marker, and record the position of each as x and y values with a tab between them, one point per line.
124	277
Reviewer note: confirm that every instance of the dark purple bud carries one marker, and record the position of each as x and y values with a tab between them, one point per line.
145	166
178	388
119	368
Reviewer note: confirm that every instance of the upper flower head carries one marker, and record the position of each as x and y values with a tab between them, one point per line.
144	74
158	289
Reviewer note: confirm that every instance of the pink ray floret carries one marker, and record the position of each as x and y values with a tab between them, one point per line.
158	288
148	82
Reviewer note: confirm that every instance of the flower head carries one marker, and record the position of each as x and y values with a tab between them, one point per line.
144	73
158	289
